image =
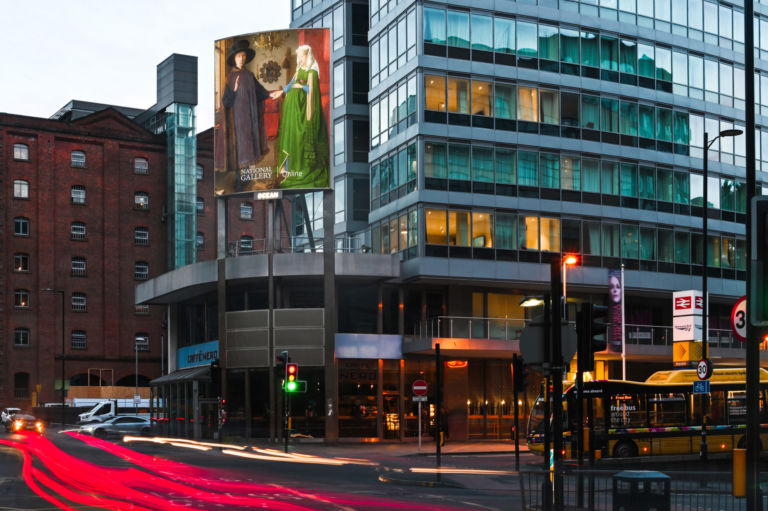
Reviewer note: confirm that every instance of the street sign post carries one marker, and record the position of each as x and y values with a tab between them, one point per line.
419	388
739	319
701	387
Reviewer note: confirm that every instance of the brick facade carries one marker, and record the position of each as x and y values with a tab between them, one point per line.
111	143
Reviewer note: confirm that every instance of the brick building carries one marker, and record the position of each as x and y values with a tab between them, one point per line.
88	211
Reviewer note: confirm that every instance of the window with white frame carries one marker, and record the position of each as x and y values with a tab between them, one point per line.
246	211
79	302
199	172
141	200
77	159
79	340
20	263
21	337
78	194
21	226
141	270
200	240
20	189
78	267
141	236
77	231
21	152
21	299
141	166
200	205
142	341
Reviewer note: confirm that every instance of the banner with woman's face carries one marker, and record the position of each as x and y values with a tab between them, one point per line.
272	104
615	292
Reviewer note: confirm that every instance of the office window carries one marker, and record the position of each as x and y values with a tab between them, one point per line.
458	95
246	211
570	234
528	231
506	166
21	152
629	241
142	341
77	231
504	101
590	112
79	340
550	170
609	179
140	166
436	227
528	104
434	88
482	98
628	117
482	229
590	50
458	228
78	267
434	26
199	172
590	175
628	180
340	199
506	231
611	240
21	337
550	234
141	271
458	162
20	189
663	64
482	164
21	226
504	35
200	241
570	173
338	84
21	263
646	63
549	42
141	236
527	168
200	206
141	200
458	29
646	121
666	245
550	106
77	159
527	39
435	161
609	53
338	27
79	302
628	56
590	238
21	299
482	32
78	194
338	142
609	115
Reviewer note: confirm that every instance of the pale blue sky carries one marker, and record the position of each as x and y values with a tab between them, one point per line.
107	50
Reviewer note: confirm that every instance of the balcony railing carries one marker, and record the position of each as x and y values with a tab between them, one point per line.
294	245
510	328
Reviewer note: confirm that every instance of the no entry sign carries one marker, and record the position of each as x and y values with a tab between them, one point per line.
419	388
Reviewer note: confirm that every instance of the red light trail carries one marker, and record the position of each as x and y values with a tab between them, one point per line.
153	483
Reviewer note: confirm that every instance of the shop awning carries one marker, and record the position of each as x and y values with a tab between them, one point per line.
202	373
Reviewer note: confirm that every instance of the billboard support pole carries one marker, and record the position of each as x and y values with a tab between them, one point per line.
302	201
329	304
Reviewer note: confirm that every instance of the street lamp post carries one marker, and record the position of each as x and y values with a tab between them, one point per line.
63	353
568	260
704	274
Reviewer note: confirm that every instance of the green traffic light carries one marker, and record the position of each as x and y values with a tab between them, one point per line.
290	386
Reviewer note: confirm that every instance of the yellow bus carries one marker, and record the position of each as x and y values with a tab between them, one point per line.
660	416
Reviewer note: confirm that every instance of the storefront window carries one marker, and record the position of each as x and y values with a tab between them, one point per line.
358	398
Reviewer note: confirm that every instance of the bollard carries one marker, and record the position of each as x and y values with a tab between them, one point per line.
739	472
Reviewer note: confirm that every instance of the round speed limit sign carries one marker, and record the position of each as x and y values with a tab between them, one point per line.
739	319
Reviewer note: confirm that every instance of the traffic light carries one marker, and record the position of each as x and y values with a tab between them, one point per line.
519	373
758	302
215	378
291	373
590	328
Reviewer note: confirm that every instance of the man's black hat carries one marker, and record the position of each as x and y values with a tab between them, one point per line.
241	45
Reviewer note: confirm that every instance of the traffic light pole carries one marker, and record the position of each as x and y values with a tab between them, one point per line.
557	381
516	378
546	367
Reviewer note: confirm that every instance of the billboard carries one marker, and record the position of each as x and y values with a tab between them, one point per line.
615	293
271	111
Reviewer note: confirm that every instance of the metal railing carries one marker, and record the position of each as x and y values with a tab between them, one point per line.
465	327
295	245
593	490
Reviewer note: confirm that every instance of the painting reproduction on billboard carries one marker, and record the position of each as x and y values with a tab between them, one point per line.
271	111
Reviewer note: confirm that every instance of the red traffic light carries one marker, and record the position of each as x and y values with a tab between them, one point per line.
292	368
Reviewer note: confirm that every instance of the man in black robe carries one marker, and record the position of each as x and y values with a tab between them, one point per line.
242	123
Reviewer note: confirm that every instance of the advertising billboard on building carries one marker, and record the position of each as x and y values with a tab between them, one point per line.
271	111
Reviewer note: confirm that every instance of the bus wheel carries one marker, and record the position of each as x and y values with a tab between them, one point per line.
625	450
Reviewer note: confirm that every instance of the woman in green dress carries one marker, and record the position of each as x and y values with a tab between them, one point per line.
303	136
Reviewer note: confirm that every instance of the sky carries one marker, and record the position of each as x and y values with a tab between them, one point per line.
107	51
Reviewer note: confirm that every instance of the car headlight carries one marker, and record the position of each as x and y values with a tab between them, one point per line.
18	425
39	427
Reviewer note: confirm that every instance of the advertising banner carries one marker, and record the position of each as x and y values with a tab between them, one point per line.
613	334
197	355
271	111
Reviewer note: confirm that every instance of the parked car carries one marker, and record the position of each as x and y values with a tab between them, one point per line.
6	414
120	425
24	421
